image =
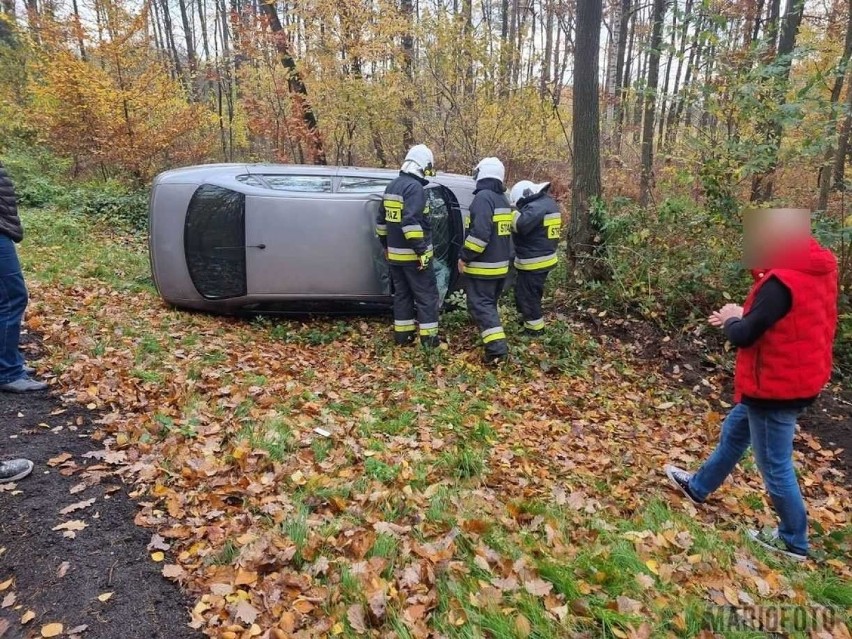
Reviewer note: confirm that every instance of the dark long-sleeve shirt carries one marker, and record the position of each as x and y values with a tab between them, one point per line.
772	302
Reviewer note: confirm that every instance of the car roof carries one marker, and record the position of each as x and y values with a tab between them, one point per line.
202	172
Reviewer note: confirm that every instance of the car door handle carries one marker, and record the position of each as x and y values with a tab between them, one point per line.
257	246
232	248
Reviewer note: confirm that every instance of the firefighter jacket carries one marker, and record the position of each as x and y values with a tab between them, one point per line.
535	231
487	248
403	224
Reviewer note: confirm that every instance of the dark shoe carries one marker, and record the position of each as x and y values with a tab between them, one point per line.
496	360
771	541
403	339
680	480
23	385
15	469
529	332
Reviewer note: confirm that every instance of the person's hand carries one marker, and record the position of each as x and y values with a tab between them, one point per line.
424	262
461	266
727	312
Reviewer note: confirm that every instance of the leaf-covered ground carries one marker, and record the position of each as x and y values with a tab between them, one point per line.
309	480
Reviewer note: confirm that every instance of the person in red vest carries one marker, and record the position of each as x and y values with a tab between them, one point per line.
784	334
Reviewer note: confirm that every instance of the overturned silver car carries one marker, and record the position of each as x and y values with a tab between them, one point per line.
286	238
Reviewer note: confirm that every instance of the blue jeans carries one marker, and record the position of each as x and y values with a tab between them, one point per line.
13	302
770	433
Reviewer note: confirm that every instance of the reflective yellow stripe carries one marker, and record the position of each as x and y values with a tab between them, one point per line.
553	222
493	336
537	266
503	217
381	231
428	331
405	329
479	270
413	235
535	325
473	247
407	257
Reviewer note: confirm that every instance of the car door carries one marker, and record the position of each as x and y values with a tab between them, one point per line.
308	242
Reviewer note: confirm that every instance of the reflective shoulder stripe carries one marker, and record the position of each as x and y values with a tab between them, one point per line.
515	217
391	197
552	219
503	217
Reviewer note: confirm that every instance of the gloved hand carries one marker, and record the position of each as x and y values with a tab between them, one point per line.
424	261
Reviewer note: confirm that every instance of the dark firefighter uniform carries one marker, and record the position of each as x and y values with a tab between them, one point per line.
536	227
486	254
405	232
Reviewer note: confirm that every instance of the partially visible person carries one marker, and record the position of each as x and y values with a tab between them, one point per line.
784	334
486	255
14	375
536	225
405	231
14	470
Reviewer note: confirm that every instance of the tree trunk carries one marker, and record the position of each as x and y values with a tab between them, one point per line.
645	185
836	89
548	49
78	29
585	237
762	183
664	96
839	170
612	70
407	7
296	84
190	48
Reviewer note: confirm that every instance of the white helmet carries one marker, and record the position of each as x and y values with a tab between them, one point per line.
489	168
526	188
418	161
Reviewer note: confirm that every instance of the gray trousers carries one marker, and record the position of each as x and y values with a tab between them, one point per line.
415	303
529	289
482	298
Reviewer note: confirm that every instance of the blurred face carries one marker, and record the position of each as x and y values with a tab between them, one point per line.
773	236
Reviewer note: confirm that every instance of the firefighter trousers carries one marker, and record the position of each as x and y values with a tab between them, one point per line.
415	304
529	289
482	297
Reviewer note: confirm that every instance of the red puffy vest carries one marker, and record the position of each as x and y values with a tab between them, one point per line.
792	359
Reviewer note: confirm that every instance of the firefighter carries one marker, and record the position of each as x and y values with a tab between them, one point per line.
536	225
405	232
486	255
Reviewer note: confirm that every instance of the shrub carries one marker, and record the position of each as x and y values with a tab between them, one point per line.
670	265
37	175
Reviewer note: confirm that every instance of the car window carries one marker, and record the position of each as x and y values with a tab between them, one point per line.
215	243
293	183
363	185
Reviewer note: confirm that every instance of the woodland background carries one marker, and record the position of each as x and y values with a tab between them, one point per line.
658	122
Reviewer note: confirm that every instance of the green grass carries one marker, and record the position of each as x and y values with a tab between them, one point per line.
380	464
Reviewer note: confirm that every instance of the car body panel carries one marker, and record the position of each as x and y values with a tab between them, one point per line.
317	245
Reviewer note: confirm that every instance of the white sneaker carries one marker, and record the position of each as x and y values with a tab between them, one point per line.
771	541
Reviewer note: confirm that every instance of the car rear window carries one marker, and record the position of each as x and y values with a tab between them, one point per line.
363	185
292	183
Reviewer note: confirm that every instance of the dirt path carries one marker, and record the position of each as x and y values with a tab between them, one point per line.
59	575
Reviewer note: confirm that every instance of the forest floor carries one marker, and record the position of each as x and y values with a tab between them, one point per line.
303	478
